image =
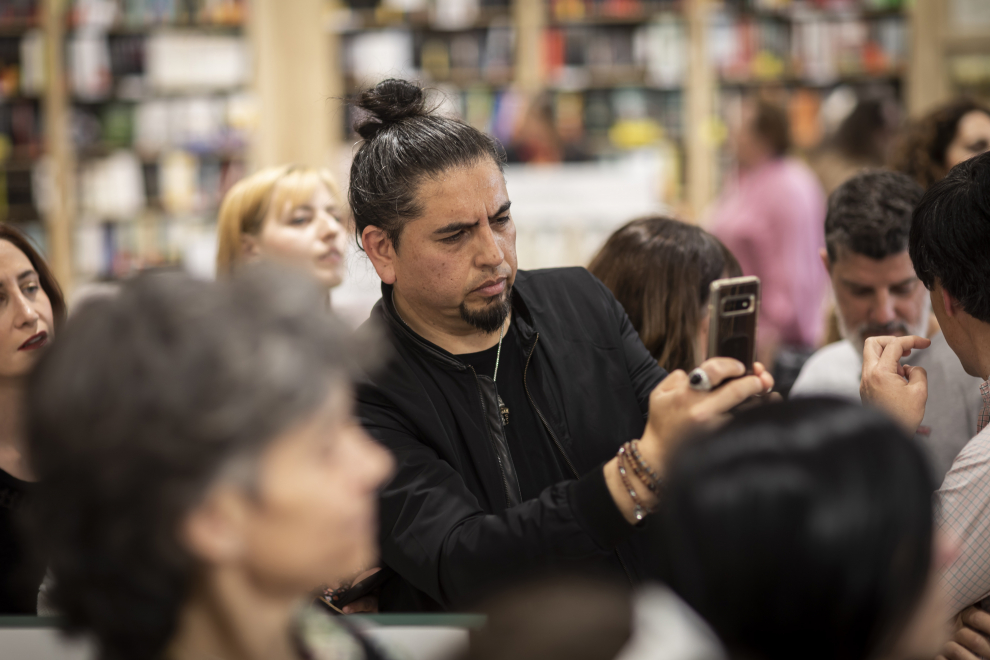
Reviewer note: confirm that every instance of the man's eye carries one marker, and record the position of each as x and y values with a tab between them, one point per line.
298	220
502	220
453	238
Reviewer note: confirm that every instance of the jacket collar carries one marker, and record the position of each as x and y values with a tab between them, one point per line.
521	318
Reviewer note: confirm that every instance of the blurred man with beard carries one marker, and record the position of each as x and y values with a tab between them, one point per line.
877	293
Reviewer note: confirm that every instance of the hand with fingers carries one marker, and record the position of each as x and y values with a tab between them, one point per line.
971	640
899	390
677	409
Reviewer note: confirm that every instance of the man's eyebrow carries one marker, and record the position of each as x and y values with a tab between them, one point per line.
910	280
454	226
501	210
458	226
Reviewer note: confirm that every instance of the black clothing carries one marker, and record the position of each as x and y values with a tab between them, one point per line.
453	520
20	578
530	446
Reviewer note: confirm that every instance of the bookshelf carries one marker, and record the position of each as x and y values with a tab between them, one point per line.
575	81
595	80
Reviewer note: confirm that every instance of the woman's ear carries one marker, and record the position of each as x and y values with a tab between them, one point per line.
214	531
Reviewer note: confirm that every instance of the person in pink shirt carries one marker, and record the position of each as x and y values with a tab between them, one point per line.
771	216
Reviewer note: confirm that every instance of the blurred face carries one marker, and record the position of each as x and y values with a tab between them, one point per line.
456	263
313	517
26	320
309	235
972	138
749	148
876	297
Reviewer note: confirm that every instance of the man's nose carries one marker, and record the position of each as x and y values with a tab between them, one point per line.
883	309
490	253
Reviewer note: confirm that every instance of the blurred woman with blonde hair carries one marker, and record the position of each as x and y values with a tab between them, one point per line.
291	214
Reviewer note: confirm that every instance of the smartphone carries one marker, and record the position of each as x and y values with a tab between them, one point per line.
733	308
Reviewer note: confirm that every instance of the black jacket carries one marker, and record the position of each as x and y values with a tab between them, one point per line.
452	524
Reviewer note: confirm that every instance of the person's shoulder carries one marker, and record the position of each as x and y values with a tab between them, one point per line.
971	466
549	277
554	285
834	370
793	173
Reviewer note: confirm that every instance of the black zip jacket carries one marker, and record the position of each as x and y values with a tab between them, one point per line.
452	524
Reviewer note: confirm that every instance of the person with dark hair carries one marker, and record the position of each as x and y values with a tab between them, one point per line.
862	141
945	137
770	216
950	248
877	293
512	392
201	470
31	308
806	525
660	269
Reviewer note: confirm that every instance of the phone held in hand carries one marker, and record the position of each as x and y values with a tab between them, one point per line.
733	310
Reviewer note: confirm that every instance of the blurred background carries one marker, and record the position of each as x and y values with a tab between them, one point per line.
123	122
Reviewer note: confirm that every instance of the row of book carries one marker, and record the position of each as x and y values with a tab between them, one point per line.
22	70
121	185
109	250
18	13
130	14
219	123
838	6
816	50
102	66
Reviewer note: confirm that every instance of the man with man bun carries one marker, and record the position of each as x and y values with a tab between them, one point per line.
510	393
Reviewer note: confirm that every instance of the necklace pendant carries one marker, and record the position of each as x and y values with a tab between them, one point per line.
504	410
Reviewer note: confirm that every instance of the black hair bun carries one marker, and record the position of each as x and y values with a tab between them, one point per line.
389	102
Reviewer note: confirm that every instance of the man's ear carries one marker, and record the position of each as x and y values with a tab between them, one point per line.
213	531
379	248
250	247
823	253
950	304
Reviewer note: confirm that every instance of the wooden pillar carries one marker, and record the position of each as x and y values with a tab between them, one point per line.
699	111
58	144
529	19
297	83
927	79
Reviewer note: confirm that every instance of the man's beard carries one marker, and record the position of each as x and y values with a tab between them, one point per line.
490	317
858	336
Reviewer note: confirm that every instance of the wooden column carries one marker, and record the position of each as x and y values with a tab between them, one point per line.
927	77
529	19
294	83
699	111
58	144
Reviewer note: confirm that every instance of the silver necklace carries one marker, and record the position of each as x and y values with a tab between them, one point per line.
498	353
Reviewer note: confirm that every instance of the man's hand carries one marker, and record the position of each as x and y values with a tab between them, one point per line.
676	409
972	638
899	390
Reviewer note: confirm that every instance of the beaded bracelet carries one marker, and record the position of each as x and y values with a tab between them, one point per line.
643	470
640	511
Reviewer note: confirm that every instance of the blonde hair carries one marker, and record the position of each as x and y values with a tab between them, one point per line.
246	205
